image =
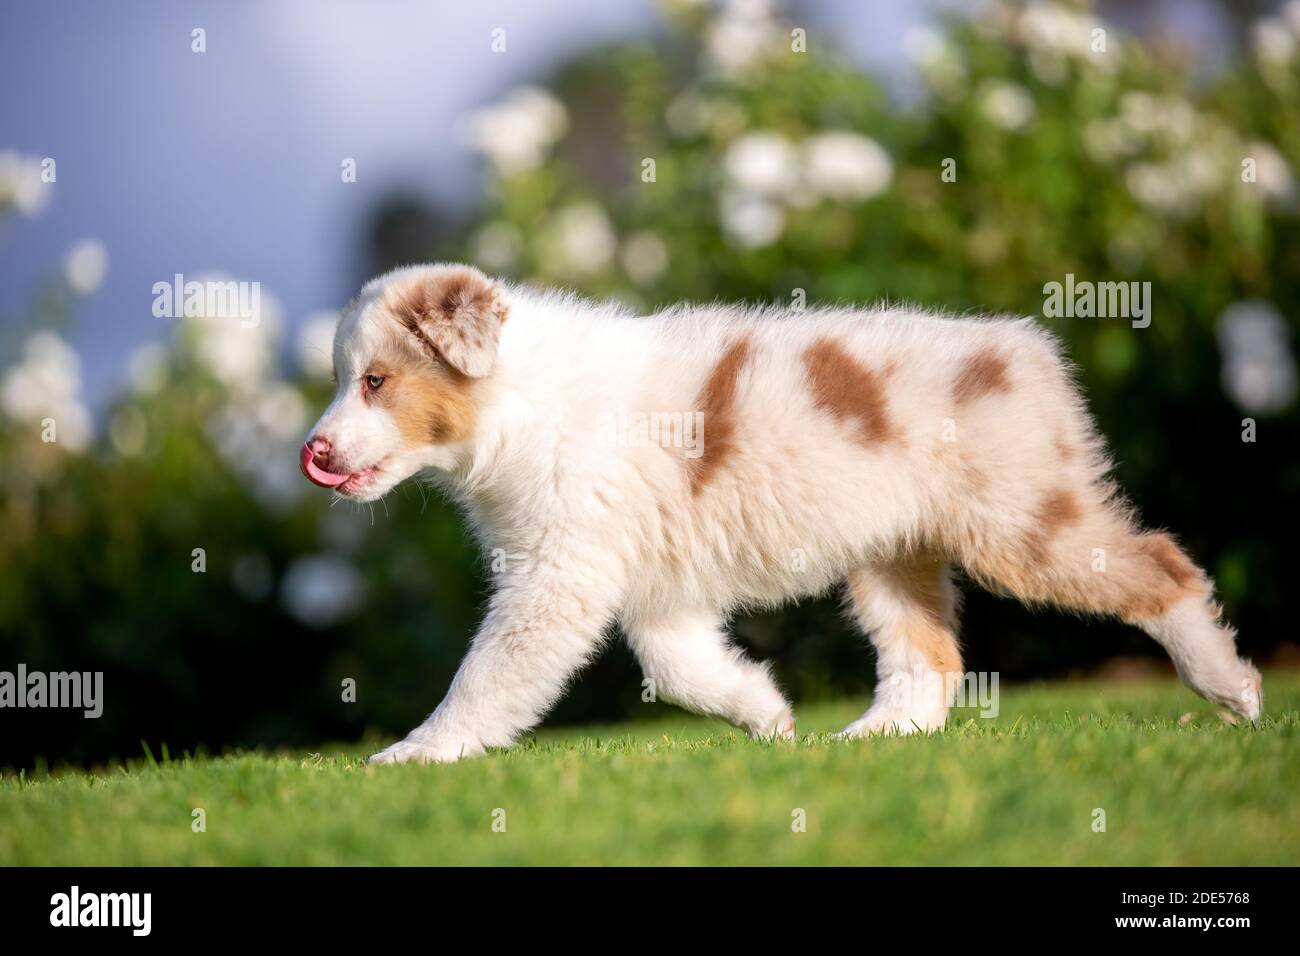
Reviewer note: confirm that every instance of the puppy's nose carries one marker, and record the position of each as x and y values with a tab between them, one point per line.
320	450
314	460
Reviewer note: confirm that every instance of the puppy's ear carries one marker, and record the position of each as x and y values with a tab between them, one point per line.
457	312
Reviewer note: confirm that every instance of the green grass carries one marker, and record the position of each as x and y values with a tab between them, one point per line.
1020	789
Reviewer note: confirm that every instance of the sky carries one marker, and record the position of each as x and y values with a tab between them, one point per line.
229	161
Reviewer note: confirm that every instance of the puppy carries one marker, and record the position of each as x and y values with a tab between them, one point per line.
662	472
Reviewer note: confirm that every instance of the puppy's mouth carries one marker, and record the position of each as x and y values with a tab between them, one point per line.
345	483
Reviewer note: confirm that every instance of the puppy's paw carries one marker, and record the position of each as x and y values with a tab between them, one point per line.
412	750
1243	702
1250	704
780	729
890	720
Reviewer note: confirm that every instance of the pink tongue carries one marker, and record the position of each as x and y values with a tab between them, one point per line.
326	479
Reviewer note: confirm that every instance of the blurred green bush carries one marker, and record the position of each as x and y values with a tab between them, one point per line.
726	157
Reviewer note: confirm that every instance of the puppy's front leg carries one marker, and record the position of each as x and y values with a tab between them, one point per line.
535	637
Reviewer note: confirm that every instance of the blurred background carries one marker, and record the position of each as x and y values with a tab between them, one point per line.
308	146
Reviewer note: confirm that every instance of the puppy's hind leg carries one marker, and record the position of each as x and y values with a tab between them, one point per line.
1179	612
910	612
1087	556
690	663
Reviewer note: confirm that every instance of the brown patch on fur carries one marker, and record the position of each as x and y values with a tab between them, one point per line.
1161	549
430	404
433	409
1144	575
1058	511
717	403
925	622
983	373
1163	575
1064	450
453	312
937	643
441	293
926	628
850	392
1144	607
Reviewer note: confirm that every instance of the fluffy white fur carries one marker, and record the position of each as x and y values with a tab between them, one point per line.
876	447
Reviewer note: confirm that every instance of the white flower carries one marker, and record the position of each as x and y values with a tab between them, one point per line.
1272	173
147	368
50	370
314	347
924	46
644	257
1055	29
1054	35
517	133
738	41
21	184
1199	173
281	412
238	350
762	163
258	435
1157	186
1146	115
46	383
846	166
1273	41
85	266
934	59
1259	371
585	239
497	246
1105	140
750	220
237	357
320	589
1008	105
1177	186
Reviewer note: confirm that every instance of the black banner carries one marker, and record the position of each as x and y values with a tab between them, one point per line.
302	905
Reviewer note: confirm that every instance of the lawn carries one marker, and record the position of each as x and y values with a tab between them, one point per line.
1023	788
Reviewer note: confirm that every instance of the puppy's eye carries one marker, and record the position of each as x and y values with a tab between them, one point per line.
373	382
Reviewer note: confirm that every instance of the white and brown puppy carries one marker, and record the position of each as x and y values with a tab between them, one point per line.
662	472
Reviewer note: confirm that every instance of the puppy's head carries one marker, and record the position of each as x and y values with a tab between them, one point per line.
411	355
